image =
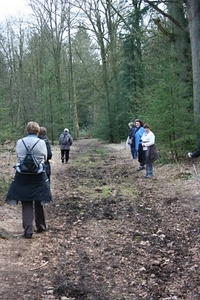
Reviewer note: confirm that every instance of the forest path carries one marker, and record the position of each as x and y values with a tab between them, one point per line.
112	233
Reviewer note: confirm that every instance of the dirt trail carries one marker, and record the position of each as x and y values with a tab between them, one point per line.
112	234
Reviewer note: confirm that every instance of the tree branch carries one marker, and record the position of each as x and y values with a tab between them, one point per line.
165	14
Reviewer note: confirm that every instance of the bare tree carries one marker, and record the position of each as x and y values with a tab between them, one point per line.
103	22
56	16
53	15
14	46
72	89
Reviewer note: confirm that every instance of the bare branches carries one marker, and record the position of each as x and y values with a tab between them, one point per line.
154	6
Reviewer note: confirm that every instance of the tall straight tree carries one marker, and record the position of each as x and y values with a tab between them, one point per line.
104	25
132	52
40	67
17	95
193	9
72	88
53	14
86	75
179	37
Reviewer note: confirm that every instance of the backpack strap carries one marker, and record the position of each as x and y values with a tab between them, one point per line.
35	144
32	146
25	145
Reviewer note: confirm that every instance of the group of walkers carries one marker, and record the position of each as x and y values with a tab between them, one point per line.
31	182
141	141
142	145
32	188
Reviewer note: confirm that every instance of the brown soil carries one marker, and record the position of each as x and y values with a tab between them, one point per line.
113	235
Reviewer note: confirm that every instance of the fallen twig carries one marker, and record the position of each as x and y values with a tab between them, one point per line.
44	264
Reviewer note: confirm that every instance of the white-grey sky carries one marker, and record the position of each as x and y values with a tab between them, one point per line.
13	8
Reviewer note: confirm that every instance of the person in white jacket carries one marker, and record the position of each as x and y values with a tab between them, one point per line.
147	140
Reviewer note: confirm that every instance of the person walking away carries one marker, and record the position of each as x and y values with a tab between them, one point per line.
65	141
149	150
138	134
32	189
42	135
131	136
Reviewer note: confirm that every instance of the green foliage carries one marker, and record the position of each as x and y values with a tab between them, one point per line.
165	115
100	130
167	108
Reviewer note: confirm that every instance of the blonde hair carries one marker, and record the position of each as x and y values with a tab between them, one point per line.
33	127
131	124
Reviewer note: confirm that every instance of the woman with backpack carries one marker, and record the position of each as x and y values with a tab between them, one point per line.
30	185
65	141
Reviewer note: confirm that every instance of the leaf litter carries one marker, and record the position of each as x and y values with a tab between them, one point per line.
112	234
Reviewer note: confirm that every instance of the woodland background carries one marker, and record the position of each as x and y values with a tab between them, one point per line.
94	66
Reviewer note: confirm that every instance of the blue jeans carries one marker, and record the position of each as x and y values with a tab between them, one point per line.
149	169
134	153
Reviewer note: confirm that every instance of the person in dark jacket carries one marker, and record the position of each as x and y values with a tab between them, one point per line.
42	135
31	188
138	147
65	141
131	136
196	153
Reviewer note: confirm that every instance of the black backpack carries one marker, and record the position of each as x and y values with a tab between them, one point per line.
29	164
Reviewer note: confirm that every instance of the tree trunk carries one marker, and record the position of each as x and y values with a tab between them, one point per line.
72	91
193	9
181	39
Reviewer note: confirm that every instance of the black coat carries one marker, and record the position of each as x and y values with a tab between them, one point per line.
49	155
141	154
197	152
29	187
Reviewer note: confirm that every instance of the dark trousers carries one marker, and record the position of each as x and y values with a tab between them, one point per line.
65	155
141	156
28	216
